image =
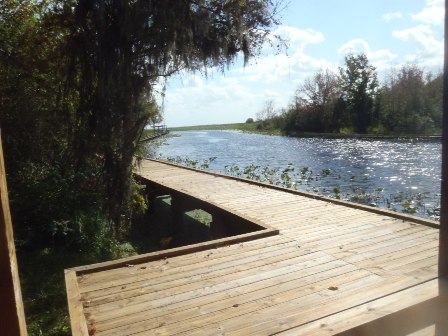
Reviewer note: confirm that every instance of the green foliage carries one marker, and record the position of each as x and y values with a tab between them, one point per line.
204	164
314	104
378	129
337	192
76	81
408	102
346	130
46	192
77	85
326	171
243	127
359	86
269	119
305	179
43	291
411	103
42	277
121	49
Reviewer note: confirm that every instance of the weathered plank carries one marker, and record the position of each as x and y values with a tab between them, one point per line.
77	319
188	271
373	310
12	310
253	299
318	261
244	294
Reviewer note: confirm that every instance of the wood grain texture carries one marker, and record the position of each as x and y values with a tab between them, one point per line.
77	320
11	307
318	266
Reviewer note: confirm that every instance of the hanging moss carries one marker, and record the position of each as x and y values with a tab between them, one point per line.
121	48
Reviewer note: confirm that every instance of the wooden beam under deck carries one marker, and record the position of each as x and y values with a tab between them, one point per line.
316	266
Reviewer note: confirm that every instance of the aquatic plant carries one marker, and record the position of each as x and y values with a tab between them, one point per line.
424	204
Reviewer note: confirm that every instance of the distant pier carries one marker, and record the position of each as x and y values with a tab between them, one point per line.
158	131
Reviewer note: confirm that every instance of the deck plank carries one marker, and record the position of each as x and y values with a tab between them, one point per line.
331	267
318	275
171	266
232	280
371	311
188	276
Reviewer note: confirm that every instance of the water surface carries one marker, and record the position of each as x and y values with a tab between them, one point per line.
401	174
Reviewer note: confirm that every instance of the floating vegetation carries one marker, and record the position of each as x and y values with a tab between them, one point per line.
423	204
203	164
326	171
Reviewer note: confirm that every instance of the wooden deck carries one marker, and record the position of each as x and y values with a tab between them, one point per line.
313	267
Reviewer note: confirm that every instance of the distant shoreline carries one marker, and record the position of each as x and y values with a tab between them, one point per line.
252	128
244	127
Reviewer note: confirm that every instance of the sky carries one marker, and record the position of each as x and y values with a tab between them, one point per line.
320	33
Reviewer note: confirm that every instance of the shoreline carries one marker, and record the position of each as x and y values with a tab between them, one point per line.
252	128
369	136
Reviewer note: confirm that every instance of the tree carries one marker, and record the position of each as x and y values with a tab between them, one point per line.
321	88
434	93
267	112
359	86
268	117
121	48
318	95
76	91
35	105
411	101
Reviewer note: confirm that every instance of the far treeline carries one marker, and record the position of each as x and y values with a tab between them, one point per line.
78	81
409	102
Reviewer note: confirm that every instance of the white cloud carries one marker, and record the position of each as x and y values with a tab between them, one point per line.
429	49
241	93
299	38
381	58
354	46
188	105
272	67
433	13
392	16
193	81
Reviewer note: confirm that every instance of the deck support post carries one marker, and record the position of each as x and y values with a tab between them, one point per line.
151	195
151	192
177	216
11	308
443	240
218	226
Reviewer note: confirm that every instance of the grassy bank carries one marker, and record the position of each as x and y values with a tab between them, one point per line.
244	127
253	128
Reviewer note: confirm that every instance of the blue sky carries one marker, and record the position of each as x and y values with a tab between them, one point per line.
320	34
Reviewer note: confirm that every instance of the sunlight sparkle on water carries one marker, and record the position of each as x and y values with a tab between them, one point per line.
356	165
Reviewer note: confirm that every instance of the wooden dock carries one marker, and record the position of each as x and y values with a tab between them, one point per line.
158	131
283	262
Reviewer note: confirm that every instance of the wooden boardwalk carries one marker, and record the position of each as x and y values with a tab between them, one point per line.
312	267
